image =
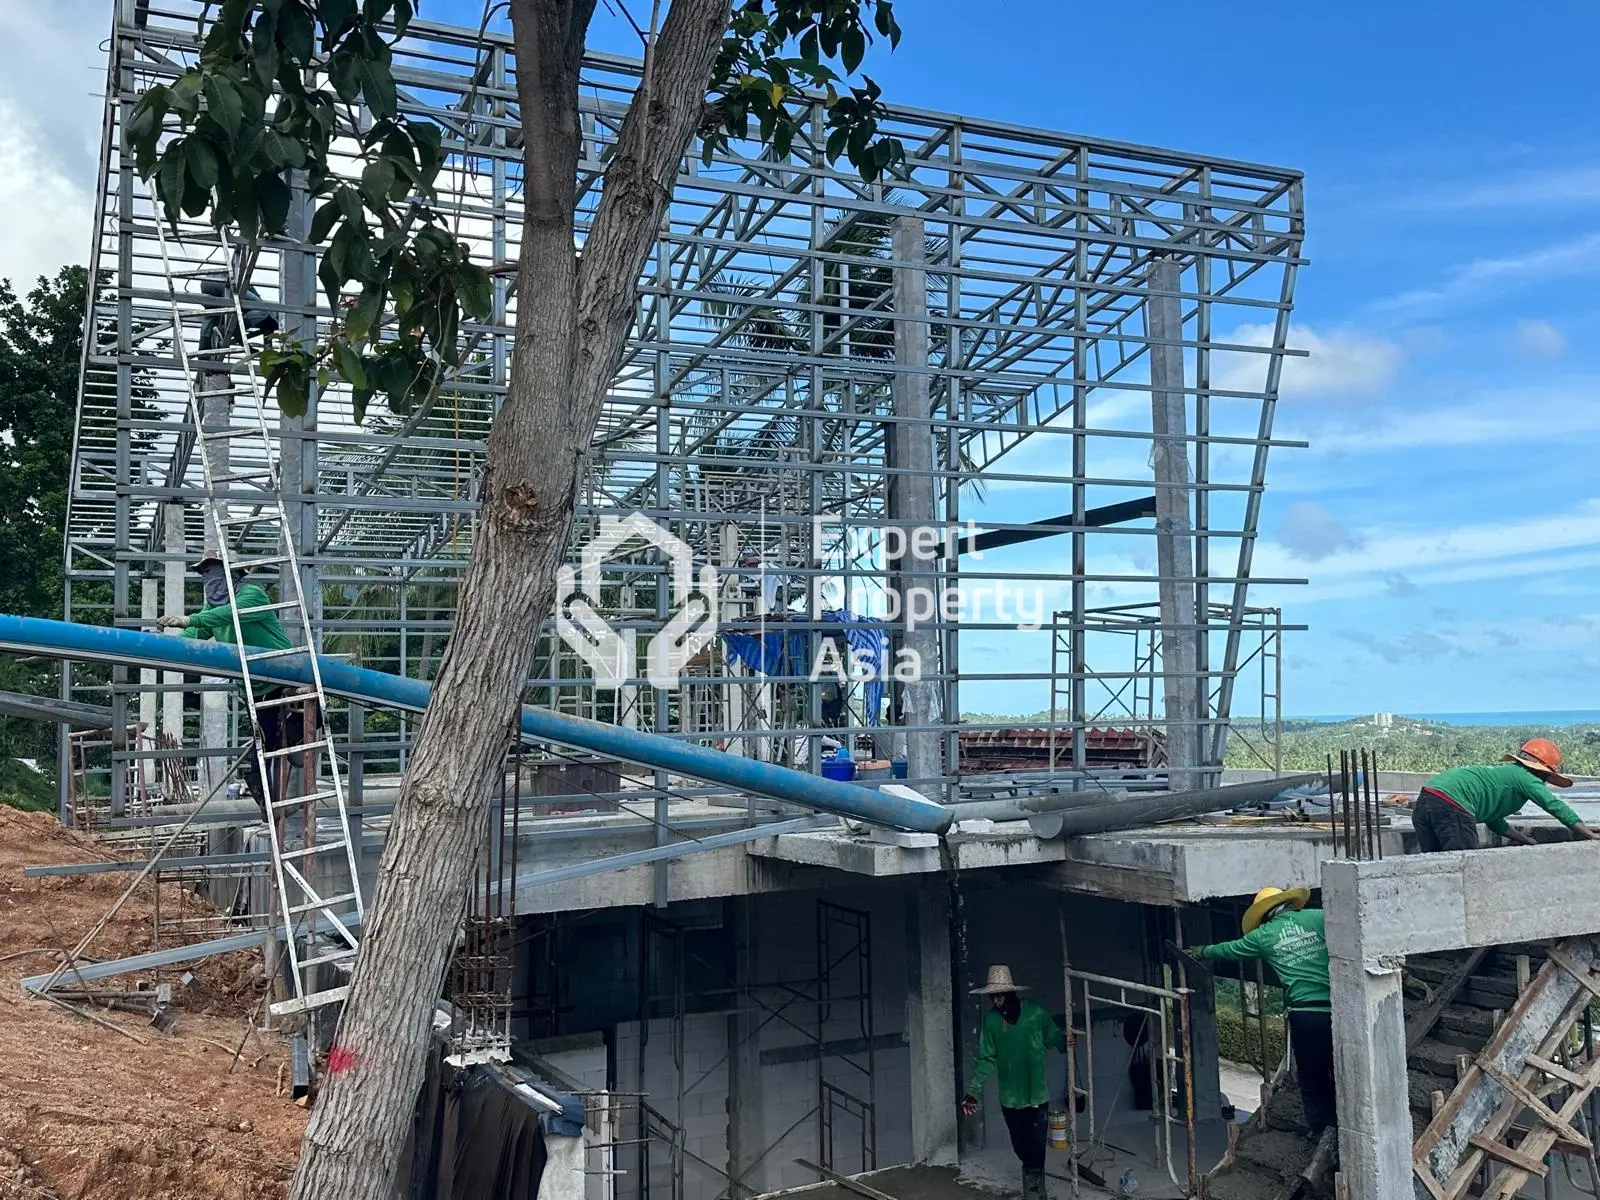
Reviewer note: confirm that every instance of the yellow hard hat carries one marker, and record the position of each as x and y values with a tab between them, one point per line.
1269	898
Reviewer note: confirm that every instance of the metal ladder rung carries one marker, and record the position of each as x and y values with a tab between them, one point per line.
252	519
237	476
320	904
284	1008
280	701
319	744
278	606
276	560
342	955
319	848
232	431
308	798
266	654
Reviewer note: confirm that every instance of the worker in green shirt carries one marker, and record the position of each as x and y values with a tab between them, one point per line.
1451	804
1011	1044
278	725
1280	930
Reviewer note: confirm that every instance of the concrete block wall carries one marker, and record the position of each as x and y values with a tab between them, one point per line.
785	971
1020	925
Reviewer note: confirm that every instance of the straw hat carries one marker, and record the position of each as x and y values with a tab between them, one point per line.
1269	898
998	983
1543	758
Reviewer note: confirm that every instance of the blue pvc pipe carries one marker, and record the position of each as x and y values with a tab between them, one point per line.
135	648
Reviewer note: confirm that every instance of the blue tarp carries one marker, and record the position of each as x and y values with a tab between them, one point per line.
788	652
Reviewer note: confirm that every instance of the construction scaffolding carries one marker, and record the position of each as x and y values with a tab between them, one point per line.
1023	322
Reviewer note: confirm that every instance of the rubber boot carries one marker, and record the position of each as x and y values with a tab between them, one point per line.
1033	1185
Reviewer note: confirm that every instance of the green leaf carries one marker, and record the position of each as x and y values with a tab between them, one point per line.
364	313
264	46
297	33
169	179
883	18
273	196
852	48
294	390
376	180
472	285
336	14
196	199
223	104
377	86
403	12
331	278
349	364
344	70
246	211
201	160
185	93
322	223
360	398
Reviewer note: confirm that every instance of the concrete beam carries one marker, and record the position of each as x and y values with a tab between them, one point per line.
1427	902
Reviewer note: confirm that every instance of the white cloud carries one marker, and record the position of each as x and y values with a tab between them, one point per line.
1543	189
1311	533
52	74
1432	557
1539	339
1485	277
1563	409
1341	364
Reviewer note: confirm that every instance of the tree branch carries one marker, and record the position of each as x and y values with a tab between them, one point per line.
637	185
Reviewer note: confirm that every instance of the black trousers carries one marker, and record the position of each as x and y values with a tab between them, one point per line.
1311	1035
281	726
1442	826
1029	1128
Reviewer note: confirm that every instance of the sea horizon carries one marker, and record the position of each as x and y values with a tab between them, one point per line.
1553	717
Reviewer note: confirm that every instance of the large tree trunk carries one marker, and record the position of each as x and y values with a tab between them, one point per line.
572	323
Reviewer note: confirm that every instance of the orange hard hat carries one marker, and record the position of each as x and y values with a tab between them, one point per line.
1543	757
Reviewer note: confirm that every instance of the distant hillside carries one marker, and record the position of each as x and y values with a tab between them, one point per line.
1401	743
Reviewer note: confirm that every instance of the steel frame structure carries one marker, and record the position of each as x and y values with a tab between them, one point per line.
756	394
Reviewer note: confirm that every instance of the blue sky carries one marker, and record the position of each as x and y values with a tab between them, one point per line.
1448	514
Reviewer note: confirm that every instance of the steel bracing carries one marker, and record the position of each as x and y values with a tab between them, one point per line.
1013	304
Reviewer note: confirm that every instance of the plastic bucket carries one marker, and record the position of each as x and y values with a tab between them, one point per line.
841	770
1058	1129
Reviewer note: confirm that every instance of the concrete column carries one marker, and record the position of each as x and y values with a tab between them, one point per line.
149	610
911	496
747	1133
930	1023
1369	1048
1202	1024
215	414
1174	528
731	604
172	543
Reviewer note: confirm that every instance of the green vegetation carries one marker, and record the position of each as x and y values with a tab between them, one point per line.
1405	744
1238	1036
39	346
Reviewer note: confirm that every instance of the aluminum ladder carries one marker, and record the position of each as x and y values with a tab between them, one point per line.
307	908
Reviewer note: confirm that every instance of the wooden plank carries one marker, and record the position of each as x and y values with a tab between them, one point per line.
1583	977
1555	1070
1422	1022
1534	1104
844	1181
1419	1165
1506	1154
1543	1013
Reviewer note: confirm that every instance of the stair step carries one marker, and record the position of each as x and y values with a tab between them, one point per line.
1283	1154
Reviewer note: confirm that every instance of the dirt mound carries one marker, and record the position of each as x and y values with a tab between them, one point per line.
87	1112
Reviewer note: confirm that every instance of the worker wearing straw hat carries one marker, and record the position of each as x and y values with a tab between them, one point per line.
1281	931
1447	812
1011	1045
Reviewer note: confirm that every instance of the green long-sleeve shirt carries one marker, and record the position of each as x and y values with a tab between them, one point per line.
1016	1054
261	630
1494	793
1293	945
